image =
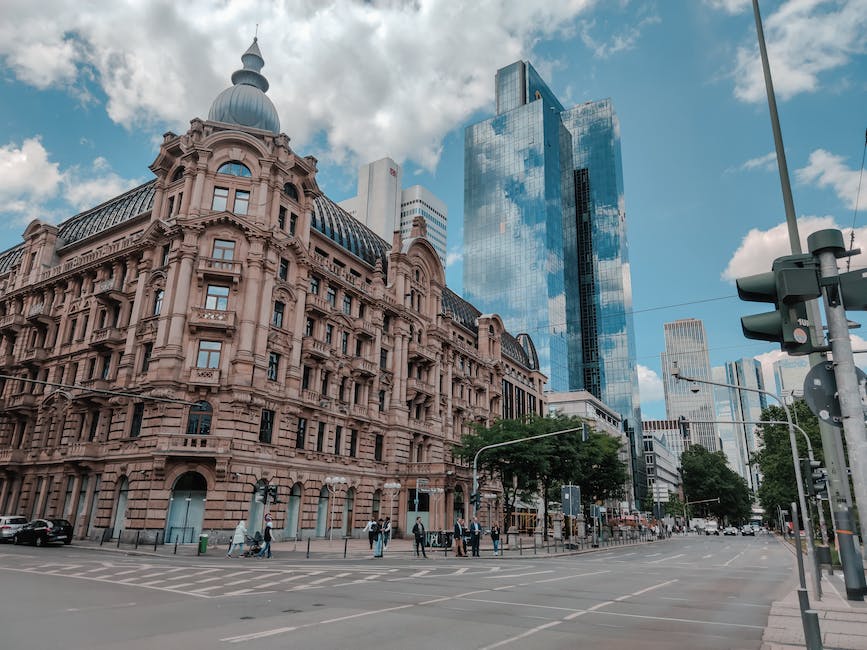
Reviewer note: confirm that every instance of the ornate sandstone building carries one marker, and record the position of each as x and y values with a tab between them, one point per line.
226	328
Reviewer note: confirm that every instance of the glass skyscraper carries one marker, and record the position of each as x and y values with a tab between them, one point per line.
545	239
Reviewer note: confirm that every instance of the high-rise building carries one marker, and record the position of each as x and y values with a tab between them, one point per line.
686	344
545	238
747	407
384	207
731	443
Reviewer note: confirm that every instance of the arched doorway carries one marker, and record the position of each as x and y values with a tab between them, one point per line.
322	512
120	506
348	507
186	508
293	513
256	511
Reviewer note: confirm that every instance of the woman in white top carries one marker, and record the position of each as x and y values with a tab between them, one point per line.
238	539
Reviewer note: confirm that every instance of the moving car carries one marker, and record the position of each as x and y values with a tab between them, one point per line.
9	525
40	532
730	530
748	530
711	528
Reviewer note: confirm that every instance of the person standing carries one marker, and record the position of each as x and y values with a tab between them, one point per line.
266	547
418	533
371	535
475	536
495	538
238	539
386	533
460	548
377	538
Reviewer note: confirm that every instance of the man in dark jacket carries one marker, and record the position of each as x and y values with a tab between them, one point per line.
475	536
460	547
418	532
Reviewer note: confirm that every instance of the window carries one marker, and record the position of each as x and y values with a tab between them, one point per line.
308	327
359	348
147	351
91	368
217	297
293	221
320	437
341	391
305	378
209	354
291	191
377	447
331	296
70	333
329	333
383	359
302	433
273	366
314	285
199	420
135	424
326	377
277	317
221	199
356	393
386	323
242	202
159	294
382	401
166	250
338	439
361	310
353	443
283	269
344	342
106	366
178	175
281	218
234	168
224	249
347	305
266	426
94	425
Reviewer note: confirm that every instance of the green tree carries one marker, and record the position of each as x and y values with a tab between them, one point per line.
706	475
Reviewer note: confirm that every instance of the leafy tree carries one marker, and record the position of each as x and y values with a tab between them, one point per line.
706	475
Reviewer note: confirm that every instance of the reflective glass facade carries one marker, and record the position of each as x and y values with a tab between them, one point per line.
545	239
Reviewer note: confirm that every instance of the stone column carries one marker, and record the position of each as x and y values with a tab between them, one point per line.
243	363
178	303
82	524
4	491
126	367
73	498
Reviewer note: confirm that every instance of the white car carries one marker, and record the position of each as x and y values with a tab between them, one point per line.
9	525
730	530
711	528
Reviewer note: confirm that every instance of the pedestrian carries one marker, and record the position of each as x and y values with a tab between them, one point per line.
238	539
386	533
266	547
377	540
460	547
475	536
495	538
418	533
371	535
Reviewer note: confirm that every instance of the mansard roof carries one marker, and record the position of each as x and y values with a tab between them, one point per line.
343	229
11	257
461	310
107	215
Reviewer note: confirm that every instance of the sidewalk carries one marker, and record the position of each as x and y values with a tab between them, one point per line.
843	622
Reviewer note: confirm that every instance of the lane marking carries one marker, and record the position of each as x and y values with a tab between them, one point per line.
577	575
672	557
733	559
683	620
519	575
645	590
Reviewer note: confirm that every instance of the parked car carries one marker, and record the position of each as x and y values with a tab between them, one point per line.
9	525
711	528
730	530
748	530
44	531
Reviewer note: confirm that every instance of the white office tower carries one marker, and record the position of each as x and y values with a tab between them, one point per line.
383	206
686	344
789	376
732	443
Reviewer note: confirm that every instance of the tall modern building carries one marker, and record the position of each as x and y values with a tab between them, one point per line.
384	207
747	407
545	238
732	444
686	344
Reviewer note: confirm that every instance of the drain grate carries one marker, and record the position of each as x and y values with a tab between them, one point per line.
247	618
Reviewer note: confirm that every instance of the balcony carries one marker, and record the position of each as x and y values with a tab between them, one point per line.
359	411
185	445
82	451
38	315
459	404
205	376
318	304
107	337
7	360
420	354
34	355
108	292
418	390
364	328
12	323
310	396
211	319
364	367
21	402
219	269
11	457
315	348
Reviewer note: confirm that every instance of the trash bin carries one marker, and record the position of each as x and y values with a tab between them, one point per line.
203	544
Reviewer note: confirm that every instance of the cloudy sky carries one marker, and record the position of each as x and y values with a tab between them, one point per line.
87	89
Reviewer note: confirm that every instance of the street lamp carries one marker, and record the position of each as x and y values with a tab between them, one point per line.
332	483
435	492
393	488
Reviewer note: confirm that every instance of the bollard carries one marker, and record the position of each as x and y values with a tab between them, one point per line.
137	535
520	547
345	546
176	545
119	533
308	548
812	633
156	540
102	538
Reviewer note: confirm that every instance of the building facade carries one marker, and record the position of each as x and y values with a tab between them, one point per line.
747	407
226	329
686	345
663	470
383	206
545	239
675	433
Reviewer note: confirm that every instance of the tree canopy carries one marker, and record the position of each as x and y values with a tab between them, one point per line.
706	475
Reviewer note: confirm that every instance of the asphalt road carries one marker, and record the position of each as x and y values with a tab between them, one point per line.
693	592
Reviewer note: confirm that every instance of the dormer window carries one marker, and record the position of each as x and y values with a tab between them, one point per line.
178	175
234	168
291	191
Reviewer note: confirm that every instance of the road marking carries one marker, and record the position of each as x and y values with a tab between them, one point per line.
420	573
645	590
523	635
238	593
684	620
733	559
519	575
577	575
663	559
704	557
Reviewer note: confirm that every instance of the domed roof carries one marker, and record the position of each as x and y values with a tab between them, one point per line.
245	102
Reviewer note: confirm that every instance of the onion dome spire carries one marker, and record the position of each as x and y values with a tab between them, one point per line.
245	103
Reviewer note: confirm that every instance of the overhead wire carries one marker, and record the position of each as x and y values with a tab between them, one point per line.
857	200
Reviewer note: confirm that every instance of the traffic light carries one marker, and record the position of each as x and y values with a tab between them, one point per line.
260	493
807	468
819	480
792	280
476	499
272	494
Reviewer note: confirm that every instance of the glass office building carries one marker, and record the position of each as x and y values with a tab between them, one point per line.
545	239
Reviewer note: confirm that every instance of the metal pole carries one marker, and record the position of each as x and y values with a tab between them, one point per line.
809	618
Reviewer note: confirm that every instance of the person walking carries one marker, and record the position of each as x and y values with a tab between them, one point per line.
266	547
495	538
238	539
475	536
460	548
418	533
371	534
386	533
377	539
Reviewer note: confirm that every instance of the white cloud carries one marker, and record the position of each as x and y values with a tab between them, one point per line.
827	170
768	162
649	385
729	6
759	248
620	42
377	78
805	39
454	256
32	186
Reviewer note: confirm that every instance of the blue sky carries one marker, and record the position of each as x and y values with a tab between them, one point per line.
86	93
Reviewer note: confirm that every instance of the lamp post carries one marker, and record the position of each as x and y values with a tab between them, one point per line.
332	483
435	492
393	488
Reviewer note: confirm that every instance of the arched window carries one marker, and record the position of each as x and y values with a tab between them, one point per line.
291	191
199	421
234	168
178	175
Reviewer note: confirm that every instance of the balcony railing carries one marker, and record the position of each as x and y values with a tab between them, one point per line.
83	451
108	290
107	336
364	327
218	319
419	352
211	267
419	386
21	401
11	457
34	355
317	303
186	445
205	376
364	367
359	411
315	347
11	322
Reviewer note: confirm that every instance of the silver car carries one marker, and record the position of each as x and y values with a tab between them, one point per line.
9	525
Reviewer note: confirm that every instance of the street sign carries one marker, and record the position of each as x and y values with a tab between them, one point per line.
820	393
570	499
